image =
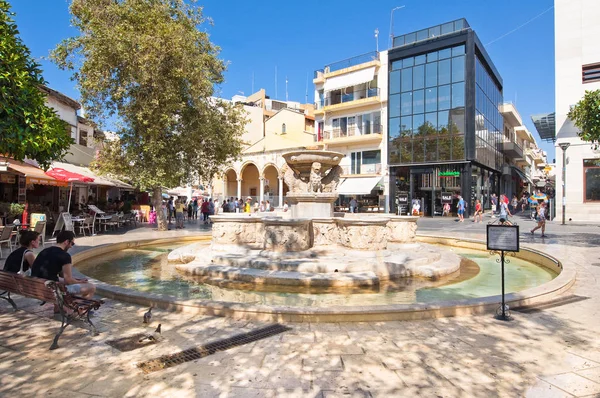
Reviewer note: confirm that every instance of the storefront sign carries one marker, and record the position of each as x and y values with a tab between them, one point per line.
7	178
449	173
503	237
446	198
402	199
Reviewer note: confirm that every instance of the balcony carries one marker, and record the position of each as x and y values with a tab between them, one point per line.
351	134
431	33
320	74
511	149
372	168
338	99
536	154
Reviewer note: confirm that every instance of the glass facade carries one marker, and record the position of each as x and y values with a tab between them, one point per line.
488	120
427	107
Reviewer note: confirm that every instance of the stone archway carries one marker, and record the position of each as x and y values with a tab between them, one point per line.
230	178
250	182
271	184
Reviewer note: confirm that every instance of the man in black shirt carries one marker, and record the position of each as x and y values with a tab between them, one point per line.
54	263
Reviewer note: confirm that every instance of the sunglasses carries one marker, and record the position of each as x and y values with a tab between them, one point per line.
72	242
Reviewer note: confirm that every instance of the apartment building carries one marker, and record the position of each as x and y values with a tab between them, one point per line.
351	118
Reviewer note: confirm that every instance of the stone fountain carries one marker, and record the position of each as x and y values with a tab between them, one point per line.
310	246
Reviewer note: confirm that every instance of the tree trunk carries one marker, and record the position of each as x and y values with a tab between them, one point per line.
161	219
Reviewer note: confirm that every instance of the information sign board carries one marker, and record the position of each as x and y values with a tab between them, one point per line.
503	237
446	197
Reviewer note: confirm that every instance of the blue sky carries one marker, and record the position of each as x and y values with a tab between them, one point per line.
296	38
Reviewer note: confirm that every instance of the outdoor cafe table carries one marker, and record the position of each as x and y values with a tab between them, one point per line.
102	221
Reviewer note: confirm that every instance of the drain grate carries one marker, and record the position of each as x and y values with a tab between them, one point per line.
131	343
191	354
551	304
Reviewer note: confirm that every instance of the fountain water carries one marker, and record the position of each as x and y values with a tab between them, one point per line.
311	246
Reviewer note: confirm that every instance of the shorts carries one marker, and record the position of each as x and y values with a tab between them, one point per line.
74	289
179	216
461	212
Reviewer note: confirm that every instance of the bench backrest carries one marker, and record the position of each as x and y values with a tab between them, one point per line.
26	286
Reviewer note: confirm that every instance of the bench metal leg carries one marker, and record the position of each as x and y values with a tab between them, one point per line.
65	322
89	321
7	298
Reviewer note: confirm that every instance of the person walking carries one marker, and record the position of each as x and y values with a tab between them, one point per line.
478	212
353	205
541	219
504	212
460	209
494	200
204	210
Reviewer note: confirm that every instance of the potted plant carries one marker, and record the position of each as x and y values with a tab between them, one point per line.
15	211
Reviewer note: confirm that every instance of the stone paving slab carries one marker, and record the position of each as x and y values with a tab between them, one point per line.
551	353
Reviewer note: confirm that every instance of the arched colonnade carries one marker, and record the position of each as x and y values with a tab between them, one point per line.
258	182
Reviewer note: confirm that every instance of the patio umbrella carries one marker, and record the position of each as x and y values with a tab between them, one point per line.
537	197
68	176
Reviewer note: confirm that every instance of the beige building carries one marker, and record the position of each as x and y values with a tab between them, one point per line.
274	127
351	118
525	168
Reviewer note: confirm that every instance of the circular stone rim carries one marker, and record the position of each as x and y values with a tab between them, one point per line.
392	312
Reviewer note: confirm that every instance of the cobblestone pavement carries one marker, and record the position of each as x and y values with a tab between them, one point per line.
551	352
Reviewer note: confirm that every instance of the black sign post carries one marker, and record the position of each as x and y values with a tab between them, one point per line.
503	238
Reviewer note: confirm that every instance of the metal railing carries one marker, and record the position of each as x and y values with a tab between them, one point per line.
347	63
364	168
430	33
338	98
350	131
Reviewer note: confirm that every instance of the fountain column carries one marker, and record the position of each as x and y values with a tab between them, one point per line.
239	188
280	191
261	184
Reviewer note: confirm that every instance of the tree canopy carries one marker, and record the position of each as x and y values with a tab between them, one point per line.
147	64
586	116
28	128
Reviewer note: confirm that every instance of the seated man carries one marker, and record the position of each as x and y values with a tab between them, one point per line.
54	261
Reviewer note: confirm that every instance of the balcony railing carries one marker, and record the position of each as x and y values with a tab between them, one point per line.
350	131
430	33
347	63
349	97
372	168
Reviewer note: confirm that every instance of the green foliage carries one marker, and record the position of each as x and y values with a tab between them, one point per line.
586	116
147	63
11	209
28	127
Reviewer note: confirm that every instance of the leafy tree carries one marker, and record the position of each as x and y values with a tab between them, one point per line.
146	63
586	116
29	128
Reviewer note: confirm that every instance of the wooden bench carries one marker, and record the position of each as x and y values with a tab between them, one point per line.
72	308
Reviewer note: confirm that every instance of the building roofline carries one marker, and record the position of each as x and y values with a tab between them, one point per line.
61	97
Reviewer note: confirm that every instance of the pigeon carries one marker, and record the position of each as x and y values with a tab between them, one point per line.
156	336
148	315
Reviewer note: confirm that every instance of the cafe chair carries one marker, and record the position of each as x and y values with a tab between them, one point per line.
6	238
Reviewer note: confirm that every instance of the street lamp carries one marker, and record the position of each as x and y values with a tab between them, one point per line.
564	146
391	41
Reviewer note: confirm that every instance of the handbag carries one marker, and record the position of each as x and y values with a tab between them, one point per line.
21	272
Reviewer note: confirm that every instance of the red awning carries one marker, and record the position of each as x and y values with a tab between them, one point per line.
68	176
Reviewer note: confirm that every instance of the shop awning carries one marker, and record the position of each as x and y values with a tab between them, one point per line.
98	180
522	175
358	185
350	79
68	176
33	174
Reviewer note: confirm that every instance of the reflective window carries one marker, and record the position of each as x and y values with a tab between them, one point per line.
431	74
406	104
445	53
396	64
444	72
458	95
488	120
394	105
444	97
395	82
431	106
418	101
418	77
406	78
458	69
431	99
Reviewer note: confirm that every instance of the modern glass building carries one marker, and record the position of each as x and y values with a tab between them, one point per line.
444	124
